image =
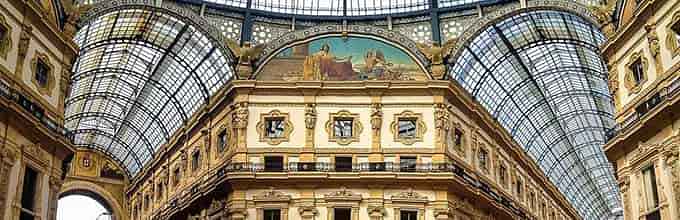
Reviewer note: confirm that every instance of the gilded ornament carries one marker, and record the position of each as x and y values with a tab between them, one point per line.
247	55
420	127
262	129
73	12
310	116
436	54
376	116
240	116
603	14
629	80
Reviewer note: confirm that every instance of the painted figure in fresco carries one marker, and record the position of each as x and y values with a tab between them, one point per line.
324	65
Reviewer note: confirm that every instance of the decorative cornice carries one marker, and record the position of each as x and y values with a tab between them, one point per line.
342	195
409	196
272	196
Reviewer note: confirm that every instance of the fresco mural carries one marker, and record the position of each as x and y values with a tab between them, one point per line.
342	58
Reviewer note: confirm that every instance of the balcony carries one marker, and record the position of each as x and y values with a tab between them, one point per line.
355	167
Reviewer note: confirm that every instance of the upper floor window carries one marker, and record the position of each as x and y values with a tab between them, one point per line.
195	160
502	174
483	159
176	176
407	127
274	127
651	197
638	71
343	164
675	27
159	190
272	214
28	194
42	71
518	188
222	140
457	137
273	163
5	38
408	215
342	127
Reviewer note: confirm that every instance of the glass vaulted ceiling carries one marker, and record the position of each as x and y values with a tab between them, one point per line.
140	75
540	75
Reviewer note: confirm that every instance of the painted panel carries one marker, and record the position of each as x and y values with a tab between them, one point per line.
342	58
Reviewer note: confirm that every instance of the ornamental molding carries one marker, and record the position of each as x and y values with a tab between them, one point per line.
393	38
287	127
6	41
409	196
629	80
342	195
421	127
511	9
357	127
272	195
184	14
671	39
216	205
51	79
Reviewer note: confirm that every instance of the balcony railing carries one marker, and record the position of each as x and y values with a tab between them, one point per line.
34	109
380	167
649	105
332	167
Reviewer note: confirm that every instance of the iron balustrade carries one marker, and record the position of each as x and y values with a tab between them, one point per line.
34	109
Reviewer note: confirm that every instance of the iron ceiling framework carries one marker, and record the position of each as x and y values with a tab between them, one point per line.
540	74
141	74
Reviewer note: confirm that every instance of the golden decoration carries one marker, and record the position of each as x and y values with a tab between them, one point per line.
357	128
421	127
43	89
287	127
73	13
436	54
247	54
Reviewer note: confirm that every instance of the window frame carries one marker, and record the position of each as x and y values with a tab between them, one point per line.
42	58
421	127
673	34
631	83
264	133
6	40
357	127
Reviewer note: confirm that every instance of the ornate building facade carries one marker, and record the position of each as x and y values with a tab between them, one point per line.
645	83
345	110
35	64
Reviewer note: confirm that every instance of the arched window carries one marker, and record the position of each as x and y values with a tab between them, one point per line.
82	207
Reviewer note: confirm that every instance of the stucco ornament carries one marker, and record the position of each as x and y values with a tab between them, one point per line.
247	55
603	14
671	154
436	54
240	116
376	116
6	40
73	12
376	212
310	116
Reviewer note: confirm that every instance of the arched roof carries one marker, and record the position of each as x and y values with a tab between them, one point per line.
540	74
142	72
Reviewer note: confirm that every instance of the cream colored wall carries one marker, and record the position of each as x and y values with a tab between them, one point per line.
639	43
13	17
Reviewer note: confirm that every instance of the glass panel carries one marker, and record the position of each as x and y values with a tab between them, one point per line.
407	128
343	127
274	127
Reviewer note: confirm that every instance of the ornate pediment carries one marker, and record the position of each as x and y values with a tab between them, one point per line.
343	194
272	196
643	151
409	196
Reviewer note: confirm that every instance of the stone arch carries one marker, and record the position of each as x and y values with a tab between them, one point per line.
98	193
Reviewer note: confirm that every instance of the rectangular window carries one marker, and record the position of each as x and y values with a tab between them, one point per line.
638	71
41	73
483	157
458	137
3	33
28	194
408	215
676	32
343	164
195	160
342	214
272	214
407	127
407	164
177	176
273	163
651	196
159	190
502	172
222	141
274	127
518	188
343	127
